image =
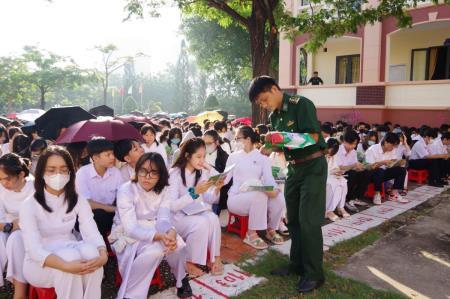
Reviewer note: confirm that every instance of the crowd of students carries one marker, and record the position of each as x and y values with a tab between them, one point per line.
59	204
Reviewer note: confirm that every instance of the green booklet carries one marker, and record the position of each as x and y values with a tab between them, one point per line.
260	188
219	176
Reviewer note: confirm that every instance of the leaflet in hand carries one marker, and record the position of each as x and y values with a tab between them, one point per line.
195	207
289	140
219	176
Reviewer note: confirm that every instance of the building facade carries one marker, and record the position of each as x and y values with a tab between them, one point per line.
381	73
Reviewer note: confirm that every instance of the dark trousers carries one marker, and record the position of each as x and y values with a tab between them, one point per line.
381	175
104	221
305	202
432	165
357	182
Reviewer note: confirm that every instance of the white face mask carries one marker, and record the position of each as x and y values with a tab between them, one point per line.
57	181
210	148
238	146
371	142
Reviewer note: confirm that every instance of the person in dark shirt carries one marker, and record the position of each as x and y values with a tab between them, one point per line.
315	80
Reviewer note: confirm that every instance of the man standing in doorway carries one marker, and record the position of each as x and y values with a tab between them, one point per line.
305	183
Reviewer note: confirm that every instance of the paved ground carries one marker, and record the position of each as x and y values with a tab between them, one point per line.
414	260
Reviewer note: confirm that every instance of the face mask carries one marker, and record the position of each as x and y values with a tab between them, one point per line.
238	146
57	181
371	142
210	149
175	140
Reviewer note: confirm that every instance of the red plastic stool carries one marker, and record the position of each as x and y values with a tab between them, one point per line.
41	293
370	192
156	280
239	225
419	176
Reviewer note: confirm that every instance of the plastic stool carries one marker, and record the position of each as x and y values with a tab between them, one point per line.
239	225
41	293
370	192
416	175
156	280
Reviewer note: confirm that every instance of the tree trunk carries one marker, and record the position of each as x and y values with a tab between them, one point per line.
43	91
105	90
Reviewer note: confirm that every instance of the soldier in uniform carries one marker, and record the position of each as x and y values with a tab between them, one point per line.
305	183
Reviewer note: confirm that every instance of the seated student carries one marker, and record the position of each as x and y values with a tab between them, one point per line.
54	258
151	144
336	184
143	234
21	146
381	156
37	147
217	158
403	151
436	147
12	133
172	143
98	182
128	151
222	128
421	158
326	131
446	149
265	209
16	186
357	177
201	231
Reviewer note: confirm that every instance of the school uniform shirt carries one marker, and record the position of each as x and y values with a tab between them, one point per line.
89	184
419	150
436	147
344	158
375	154
156	148
11	201
5	149
127	172
211	158
401	151
249	166
44	232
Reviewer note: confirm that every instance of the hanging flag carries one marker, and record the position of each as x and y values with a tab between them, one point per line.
113	92
122	91
141	88
130	90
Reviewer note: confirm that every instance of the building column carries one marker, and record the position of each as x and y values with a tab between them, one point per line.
286	54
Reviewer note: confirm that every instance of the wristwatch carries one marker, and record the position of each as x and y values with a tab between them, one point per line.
8	227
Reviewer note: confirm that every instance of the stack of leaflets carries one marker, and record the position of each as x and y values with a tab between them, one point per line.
289	140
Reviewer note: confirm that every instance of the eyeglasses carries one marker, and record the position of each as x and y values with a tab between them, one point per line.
53	171
145	173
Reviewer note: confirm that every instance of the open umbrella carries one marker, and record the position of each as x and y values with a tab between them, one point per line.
102	110
49	124
209	115
112	130
5	121
30	114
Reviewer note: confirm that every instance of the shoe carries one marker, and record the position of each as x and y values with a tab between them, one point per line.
282	229
360	203
282	271
343	213
306	285
397	198
332	216
377	199
350	206
185	291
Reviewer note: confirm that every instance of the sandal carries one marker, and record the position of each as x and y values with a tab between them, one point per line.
332	216
275	238
256	243
283	230
343	213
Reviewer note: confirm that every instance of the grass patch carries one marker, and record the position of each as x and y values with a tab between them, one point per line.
284	287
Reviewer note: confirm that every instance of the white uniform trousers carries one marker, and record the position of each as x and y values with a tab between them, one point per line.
336	193
202	233
148	257
12	253
67	285
263	211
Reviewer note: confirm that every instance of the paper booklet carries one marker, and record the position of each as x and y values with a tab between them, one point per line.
196	207
219	176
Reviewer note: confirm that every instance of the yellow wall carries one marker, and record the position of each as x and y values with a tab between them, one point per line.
402	42
325	63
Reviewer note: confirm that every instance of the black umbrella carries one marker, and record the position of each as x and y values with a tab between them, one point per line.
49	124
102	110
29	128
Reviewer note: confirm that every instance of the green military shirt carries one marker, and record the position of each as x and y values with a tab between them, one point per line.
298	115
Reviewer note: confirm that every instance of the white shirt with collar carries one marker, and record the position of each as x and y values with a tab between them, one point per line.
127	172
344	158
44	232
89	184
11	201
419	150
436	147
156	148
249	166
375	154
